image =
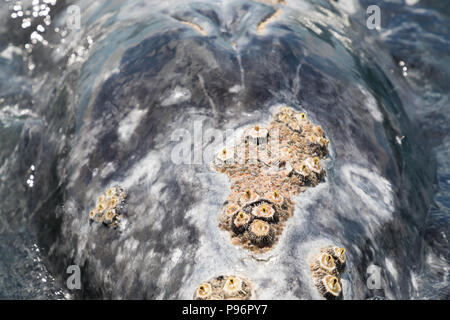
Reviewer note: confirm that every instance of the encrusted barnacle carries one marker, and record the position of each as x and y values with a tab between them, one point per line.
275	197
240	222
92	215
287	162
302	169
327	262
265	212
109	207
258	135
283	117
338	255
232	287
248	196
286	153
109	217
261	234
224	287
204	291
224	158
330	288
300	117
314	164
318	131
327	269
227	214
324	142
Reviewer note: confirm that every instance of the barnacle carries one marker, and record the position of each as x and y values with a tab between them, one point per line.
227	214
224	287
240	222
314	164
265	212
258	135
338	255
261	233
288	150
232	286
300	117
248	196
318	130
204	291
330	287
275	197
326	271
327	262
109	207
225	158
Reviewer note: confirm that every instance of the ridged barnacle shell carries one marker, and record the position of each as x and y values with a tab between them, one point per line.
339	257
204	291
302	169
248	196
300	117
227	214
240	222
314	164
265	212
232	287
258	135
225	157
275	197
330	287
261	234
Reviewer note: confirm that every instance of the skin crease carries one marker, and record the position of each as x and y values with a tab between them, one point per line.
370	203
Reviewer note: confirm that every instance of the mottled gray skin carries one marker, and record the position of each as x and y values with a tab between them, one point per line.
373	202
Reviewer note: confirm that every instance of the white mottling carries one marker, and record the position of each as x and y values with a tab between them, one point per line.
178	95
374	190
129	124
147	168
371	105
411	2
235	89
109	168
391	268
414	281
349	6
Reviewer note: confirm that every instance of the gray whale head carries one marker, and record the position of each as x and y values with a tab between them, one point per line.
180	76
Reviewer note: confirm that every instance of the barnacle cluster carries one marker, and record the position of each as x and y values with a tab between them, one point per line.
224	288
327	268
110	207
267	167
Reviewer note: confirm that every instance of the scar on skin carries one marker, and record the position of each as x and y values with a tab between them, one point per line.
267	167
195	26
224	288
272	17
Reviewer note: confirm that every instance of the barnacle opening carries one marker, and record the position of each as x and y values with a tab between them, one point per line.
327	262
204	291
232	286
332	285
340	253
261	233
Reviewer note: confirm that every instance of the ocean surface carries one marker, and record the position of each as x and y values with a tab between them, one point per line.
39	49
